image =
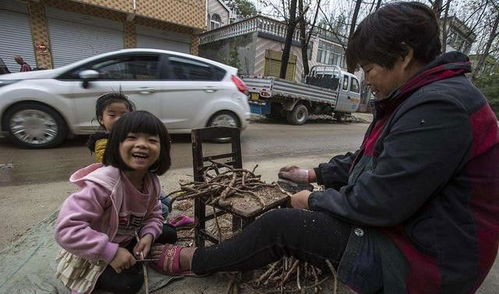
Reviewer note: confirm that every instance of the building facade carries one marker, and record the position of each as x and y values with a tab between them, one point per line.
52	33
459	36
218	14
255	45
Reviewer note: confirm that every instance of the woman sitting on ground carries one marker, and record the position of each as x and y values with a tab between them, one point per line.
415	209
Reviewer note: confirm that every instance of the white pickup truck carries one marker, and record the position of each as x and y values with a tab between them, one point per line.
327	90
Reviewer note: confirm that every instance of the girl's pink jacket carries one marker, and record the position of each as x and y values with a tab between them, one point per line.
88	220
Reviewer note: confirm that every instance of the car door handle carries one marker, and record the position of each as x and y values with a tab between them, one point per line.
210	89
146	90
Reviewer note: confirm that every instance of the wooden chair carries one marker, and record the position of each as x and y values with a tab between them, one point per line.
234	159
241	217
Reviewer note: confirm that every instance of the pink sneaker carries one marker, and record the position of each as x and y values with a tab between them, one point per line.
182	221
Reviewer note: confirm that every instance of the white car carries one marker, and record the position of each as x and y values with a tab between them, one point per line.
39	109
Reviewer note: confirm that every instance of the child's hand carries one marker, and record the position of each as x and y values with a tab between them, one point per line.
122	260
143	246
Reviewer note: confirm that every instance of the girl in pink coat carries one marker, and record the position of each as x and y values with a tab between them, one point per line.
115	217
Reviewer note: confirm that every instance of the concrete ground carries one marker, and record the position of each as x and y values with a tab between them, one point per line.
215	283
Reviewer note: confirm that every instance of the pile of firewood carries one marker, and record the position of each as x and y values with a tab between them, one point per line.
288	275
222	182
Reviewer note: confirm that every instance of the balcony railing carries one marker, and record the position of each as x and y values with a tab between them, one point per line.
257	23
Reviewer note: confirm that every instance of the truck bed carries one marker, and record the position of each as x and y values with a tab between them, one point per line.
276	87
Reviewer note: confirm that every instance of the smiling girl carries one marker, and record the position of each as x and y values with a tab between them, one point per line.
117	200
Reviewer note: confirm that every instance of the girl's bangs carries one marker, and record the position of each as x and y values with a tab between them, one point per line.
143	124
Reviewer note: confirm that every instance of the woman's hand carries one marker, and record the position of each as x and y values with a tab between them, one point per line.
294	174
122	260
300	199
143	246
297	174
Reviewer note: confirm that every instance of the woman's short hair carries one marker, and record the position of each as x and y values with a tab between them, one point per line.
109	98
138	122
385	35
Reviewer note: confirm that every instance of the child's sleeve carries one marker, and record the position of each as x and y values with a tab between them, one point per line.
74	230
153	222
100	148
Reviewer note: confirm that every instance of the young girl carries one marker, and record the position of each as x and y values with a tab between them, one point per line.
108	109
118	203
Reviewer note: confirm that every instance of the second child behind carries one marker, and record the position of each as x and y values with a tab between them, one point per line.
108	109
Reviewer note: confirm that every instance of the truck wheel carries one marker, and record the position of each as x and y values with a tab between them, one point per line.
298	115
34	125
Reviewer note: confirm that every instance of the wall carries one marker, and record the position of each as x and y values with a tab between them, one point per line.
226	51
189	13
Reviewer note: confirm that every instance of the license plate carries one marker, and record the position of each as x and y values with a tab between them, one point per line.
254	96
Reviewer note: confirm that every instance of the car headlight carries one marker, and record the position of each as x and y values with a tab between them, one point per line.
7	82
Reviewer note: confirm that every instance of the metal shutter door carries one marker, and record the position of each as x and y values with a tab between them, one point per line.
76	36
157	39
16	35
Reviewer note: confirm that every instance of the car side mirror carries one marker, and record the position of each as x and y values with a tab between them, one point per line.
87	76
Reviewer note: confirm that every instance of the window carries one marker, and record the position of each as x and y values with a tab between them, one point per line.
345	83
216	21
310	49
192	70
354	86
330	54
132	67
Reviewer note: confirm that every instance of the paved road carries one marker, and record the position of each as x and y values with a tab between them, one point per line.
261	141
37	182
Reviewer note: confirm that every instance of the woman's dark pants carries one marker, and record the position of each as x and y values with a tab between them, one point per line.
310	236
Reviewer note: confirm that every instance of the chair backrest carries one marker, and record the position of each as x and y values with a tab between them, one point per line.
199	136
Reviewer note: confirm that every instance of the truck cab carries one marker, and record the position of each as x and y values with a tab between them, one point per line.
334	78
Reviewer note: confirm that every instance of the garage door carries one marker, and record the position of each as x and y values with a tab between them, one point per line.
157	39
75	36
16	35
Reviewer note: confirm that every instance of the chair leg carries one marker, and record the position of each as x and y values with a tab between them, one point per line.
200	215
236	223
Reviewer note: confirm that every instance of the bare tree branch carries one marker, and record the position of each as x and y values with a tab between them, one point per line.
486	51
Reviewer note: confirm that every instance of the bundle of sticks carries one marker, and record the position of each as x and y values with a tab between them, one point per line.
221	182
288	275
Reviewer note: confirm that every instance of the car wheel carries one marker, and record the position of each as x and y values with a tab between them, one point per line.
224	119
298	115
35	125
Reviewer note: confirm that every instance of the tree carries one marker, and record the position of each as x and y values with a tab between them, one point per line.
444	26
492	37
304	36
489	86
289	39
437	7
243	8
353	24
